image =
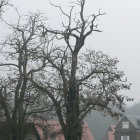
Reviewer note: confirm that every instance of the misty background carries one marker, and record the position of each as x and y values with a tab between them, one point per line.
98	123
120	38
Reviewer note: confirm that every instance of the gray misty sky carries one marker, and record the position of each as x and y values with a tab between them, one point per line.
120	26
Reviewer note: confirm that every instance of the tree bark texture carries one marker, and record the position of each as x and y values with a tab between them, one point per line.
73	123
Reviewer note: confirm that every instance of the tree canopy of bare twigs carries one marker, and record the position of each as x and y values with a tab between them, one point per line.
3	4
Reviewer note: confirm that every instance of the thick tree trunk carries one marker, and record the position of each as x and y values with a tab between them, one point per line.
16	134
73	123
16	130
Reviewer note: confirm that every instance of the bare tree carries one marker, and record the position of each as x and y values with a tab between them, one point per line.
78	82
22	51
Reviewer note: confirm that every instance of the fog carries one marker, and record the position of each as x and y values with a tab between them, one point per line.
120	26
